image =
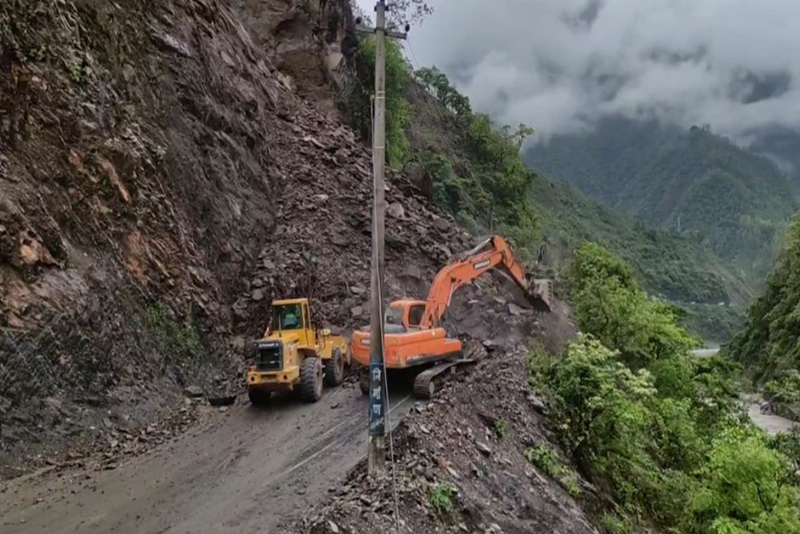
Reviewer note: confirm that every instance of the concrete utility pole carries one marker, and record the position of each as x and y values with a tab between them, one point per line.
378	404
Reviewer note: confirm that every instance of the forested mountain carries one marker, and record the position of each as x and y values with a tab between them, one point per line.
694	182
781	145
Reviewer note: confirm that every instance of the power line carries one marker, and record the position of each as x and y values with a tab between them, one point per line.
413	55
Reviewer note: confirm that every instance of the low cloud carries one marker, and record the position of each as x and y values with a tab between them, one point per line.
558	65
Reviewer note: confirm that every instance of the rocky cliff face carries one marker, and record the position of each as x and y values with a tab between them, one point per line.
160	181
309	41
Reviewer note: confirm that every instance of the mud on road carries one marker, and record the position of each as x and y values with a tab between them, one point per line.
241	471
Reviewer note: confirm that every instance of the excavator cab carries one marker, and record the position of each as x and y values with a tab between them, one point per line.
404	315
417	333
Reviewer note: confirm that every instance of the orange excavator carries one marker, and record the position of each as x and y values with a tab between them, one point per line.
414	336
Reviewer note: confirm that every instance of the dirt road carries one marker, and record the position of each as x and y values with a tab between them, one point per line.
246	470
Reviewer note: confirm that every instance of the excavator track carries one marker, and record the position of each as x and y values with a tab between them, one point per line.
426	383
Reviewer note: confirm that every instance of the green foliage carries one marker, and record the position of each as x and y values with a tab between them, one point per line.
784	388
437	84
745	487
473	169
178	342
547	460
440	497
614	524
499	428
398	109
659	429
599	407
484	182
783	393
609	305
769	345
788	444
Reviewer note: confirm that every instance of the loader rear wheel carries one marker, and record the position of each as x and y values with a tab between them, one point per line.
311	379
258	397
334	369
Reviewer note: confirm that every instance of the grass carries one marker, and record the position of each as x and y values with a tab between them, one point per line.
440	496
544	458
499	428
614	524
176	341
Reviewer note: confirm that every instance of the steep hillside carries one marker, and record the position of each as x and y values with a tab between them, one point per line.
769	345
781	146
667	264
693	182
712	295
453	156
160	182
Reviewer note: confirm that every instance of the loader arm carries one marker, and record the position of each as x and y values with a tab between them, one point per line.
492	253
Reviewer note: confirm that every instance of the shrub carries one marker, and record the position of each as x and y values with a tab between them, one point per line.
440	496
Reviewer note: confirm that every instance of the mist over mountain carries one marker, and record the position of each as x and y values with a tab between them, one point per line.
559	65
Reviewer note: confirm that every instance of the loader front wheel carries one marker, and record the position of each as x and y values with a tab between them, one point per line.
334	369
311	379
363	381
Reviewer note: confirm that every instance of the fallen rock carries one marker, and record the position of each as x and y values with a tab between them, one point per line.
412	271
358	290
193	391
227	400
536	403
396	211
515	310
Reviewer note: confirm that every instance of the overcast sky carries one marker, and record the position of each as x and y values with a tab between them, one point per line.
559	64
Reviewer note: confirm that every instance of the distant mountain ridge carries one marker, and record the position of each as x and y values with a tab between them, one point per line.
693	182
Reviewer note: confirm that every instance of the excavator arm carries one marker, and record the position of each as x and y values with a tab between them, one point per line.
491	254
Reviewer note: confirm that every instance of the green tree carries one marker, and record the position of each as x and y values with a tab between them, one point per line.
746	488
659	429
610	305
398	109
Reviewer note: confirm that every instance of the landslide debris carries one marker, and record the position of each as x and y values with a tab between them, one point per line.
461	466
160	183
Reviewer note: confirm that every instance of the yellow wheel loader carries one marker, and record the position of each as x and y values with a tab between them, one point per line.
296	356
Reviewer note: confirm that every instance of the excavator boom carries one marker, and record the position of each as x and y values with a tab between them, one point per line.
416	339
491	254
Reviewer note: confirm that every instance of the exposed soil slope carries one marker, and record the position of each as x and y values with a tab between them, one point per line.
160	182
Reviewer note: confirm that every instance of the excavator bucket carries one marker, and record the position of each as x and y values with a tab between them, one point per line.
540	294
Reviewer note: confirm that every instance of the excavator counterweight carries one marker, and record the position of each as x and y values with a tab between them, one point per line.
413	335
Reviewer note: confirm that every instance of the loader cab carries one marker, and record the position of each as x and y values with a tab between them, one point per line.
292	318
